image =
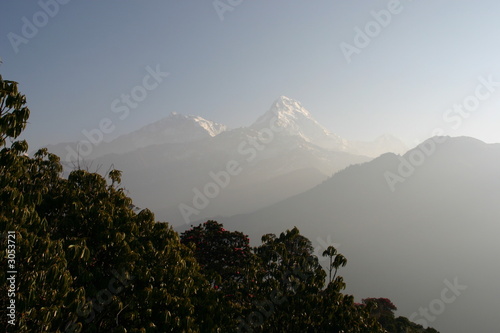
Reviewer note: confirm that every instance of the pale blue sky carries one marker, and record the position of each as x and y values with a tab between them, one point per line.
427	59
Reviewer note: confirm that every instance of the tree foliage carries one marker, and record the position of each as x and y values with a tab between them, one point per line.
14	113
87	261
227	262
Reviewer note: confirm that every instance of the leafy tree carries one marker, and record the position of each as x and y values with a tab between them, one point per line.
336	261
291	271
14	113
291	277
382	309
222	254
227	262
338	313
159	277
45	295
86	261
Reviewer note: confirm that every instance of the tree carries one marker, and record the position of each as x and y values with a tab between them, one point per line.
338	312
336	261
382	309
87	262
227	262
136	274
222	254
40	261
14	113
291	277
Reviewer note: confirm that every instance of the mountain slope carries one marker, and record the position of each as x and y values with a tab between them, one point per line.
285	114
175	128
440	223
294	119
165	164
162	177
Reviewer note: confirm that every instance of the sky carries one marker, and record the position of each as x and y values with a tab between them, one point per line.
362	68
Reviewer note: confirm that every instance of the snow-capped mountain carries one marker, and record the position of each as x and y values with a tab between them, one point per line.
179	128
169	162
175	128
290	116
285	114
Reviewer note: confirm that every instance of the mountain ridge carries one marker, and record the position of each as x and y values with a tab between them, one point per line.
290	116
439	223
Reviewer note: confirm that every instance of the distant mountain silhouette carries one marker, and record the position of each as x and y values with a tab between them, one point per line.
439	220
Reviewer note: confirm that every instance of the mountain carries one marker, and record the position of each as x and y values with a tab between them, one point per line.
278	156
175	128
410	226
172	129
290	116
170	164
295	120
285	113
191	176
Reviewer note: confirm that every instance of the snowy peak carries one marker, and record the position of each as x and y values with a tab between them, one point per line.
290	115
286	116
175	128
289	107
176	122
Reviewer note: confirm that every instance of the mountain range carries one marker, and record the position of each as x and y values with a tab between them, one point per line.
167	164
410	226
418	226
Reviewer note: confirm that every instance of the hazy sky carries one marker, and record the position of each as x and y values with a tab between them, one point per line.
422	58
